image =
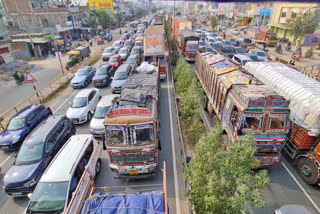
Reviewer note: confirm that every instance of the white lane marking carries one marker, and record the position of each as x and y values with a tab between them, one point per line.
176	187
62	104
3	162
303	190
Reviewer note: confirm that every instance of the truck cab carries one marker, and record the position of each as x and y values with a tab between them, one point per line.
191	50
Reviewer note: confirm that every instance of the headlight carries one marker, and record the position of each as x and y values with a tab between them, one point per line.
16	139
151	159
30	183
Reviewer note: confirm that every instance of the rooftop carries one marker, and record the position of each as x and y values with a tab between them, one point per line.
154	43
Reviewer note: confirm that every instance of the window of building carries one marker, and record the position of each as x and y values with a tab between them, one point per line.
294	13
45	22
283	14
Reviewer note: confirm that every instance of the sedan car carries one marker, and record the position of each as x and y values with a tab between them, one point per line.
117	45
83	105
21	124
120	77
259	53
96	124
107	53
228	50
210	40
103	75
137	50
202	44
241	59
115	61
239	50
217	46
253	57
83	77
232	41
36	153
124	53
133	60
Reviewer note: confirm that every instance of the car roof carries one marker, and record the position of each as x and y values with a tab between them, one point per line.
124	48
85	92
84	67
109	48
39	134
137	47
107	100
26	111
133	56
115	55
243	57
62	165
106	65
210	37
123	68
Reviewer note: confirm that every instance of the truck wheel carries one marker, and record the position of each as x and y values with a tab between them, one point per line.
307	170
98	167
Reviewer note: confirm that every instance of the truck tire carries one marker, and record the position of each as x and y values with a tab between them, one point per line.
98	167
307	170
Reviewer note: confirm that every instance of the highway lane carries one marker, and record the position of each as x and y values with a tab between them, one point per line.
60	104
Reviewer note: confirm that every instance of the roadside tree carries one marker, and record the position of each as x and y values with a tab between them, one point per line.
213	22
221	179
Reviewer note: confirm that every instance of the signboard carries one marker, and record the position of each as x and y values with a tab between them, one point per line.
74	9
106	5
30	78
69	24
130	111
312	39
263	11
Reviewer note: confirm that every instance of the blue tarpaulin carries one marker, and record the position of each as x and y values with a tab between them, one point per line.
128	203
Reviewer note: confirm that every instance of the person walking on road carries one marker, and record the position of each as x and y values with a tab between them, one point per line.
120	31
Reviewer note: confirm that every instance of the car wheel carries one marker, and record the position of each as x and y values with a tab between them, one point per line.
98	166
89	116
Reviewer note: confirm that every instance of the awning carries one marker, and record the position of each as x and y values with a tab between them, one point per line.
35	40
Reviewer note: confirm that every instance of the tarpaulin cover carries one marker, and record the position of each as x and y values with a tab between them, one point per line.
129	203
302	91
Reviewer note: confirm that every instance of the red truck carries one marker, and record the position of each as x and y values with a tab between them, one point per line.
189	43
267	36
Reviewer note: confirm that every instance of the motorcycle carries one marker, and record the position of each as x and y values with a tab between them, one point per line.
19	80
288	48
279	49
297	54
283	40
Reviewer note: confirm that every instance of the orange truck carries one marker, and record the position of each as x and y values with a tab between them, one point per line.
267	36
181	24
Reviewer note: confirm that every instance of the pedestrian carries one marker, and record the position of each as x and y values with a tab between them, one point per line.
264	46
298	45
120	31
224	34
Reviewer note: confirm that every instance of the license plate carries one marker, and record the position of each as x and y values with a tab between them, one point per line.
5	147
16	193
133	172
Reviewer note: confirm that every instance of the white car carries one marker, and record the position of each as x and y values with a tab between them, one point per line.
235	31
96	124
210	40
83	105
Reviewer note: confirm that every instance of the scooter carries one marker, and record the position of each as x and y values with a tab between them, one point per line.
20	80
297	54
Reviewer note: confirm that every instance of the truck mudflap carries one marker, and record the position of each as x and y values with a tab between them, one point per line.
140	171
268	159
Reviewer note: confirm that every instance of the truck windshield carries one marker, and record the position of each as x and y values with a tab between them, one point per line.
272	38
143	134
192	48
252	122
115	135
277	122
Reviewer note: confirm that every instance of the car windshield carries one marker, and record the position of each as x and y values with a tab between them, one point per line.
79	102
211	40
254	58
120	76
143	134
201	42
29	154
113	59
101	71
135	51
232	40
227	49
115	135
192	48
272	38
219	39
109	50
116	44
259	53
49	197
16	124
138	43
131	60
82	72
127	43
123	51
217	46
248	41
240	50
245	61
100	112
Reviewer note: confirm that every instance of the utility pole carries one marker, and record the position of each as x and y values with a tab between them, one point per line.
264	16
174	19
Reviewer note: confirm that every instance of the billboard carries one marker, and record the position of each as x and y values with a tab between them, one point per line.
106	5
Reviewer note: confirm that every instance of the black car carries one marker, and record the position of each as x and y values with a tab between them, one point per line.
103	75
36	153
134	61
228	50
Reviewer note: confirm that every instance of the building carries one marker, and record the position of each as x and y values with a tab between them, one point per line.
283	12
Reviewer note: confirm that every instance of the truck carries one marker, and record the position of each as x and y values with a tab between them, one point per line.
181	24
89	198
189	43
302	143
132	126
156	47
267	36
243	103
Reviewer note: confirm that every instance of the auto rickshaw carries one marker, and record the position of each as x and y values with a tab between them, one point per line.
74	58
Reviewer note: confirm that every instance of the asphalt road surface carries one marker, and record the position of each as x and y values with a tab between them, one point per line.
175	183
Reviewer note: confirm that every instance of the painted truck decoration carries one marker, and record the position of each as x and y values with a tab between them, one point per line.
132	126
242	103
302	144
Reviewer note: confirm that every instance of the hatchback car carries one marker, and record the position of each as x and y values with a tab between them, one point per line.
36	153
116	61
83	77
232	41
107	53
21	124
120	77
103	75
241	59
61	178
239	50
83	105
228	50
217	46
129	44
124	53
210	40
259	53
137	50
117	45
139	43
133	61
96	124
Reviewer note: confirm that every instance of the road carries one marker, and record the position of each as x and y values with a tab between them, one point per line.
285	187
168	154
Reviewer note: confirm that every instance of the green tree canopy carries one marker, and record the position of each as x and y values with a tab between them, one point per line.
49	38
303	24
213	22
91	21
104	19
222	180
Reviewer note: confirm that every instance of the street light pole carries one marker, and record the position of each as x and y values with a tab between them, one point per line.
174	18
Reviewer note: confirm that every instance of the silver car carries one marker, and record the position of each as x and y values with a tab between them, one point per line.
107	53
96	124
124	53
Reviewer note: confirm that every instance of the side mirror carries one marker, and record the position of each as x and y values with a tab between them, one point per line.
30	195
15	155
239	132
